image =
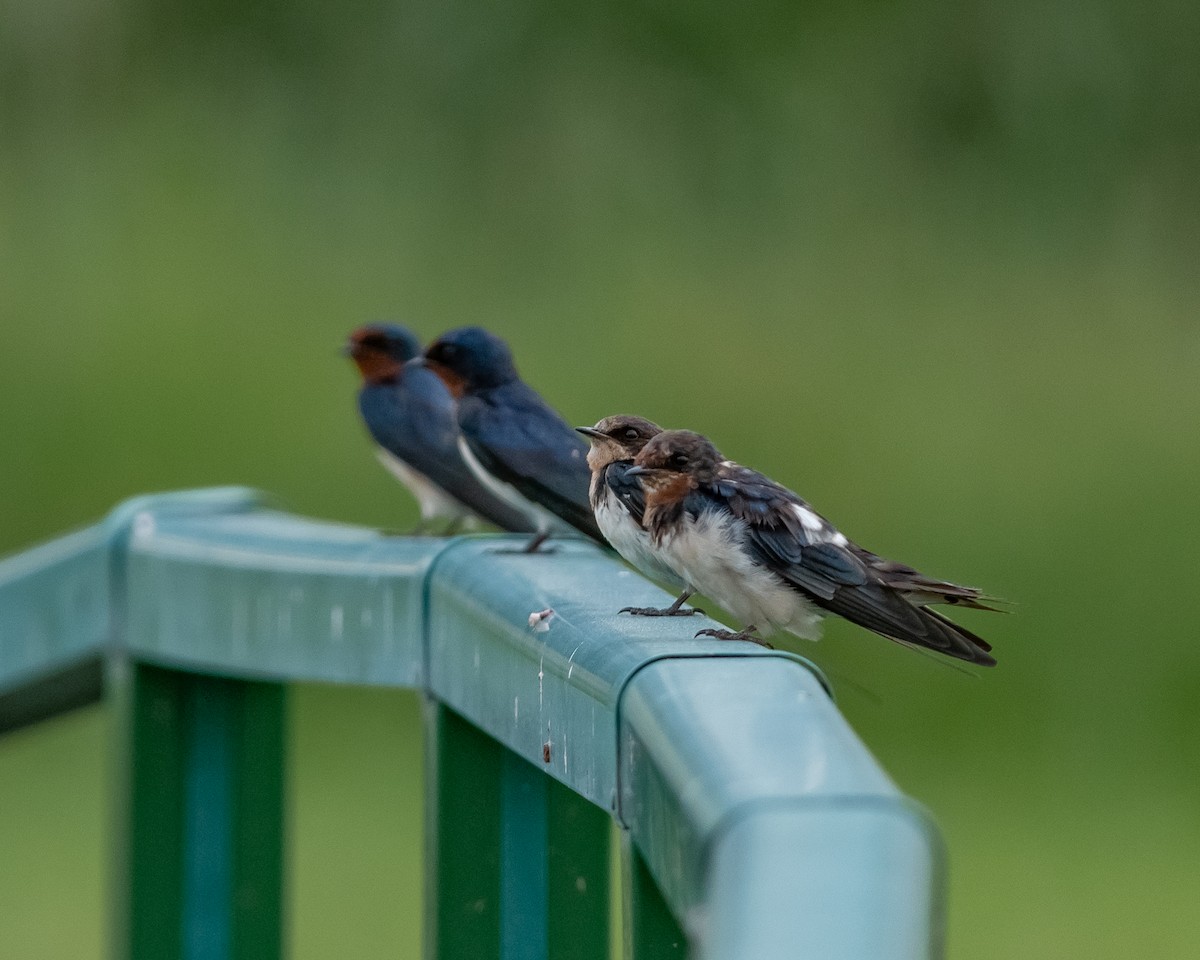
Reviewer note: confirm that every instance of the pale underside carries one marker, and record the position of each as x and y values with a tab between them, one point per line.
706	552
433	501
632	542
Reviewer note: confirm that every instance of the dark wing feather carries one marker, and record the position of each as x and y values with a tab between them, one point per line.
838	576
414	421
625	488
521	441
778	539
879	608
924	589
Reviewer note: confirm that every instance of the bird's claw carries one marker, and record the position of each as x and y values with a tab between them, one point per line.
730	635
661	611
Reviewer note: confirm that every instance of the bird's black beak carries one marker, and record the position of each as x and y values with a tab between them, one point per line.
417	361
636	472
590	432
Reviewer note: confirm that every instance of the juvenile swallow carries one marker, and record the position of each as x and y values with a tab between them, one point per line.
764	554
410	415
618	504
517	446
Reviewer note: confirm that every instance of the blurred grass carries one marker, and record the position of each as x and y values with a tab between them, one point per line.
934	269
53	832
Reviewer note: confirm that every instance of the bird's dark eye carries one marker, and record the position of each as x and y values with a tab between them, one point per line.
631	433
679	460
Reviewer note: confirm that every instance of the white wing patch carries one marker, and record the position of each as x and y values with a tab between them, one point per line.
809	520
819	530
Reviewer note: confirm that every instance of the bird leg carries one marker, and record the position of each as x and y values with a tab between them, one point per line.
674	610
538	539
746	634
533	546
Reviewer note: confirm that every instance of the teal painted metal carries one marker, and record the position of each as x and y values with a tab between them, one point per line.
740	777
753	813
651	932
835	877
577	868
199	816
213	581
146	889
55	606
63	604
271	595
551	696
517	863
463	826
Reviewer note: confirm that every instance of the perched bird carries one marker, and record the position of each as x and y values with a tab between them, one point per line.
516	445
766	556
410	415
618	505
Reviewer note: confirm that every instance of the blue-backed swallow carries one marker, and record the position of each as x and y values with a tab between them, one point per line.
522	450
618	505
410	415
765	555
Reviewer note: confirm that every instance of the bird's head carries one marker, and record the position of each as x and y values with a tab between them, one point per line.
676	460
380	350
618	438
470	359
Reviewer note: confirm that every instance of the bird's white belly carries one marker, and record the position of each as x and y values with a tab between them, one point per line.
432	499
632	542
707	553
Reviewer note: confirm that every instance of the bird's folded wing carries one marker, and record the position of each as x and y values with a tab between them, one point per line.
528	445
417	424
627	489
924	589
785	535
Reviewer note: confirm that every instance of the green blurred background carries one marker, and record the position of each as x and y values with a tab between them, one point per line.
934	267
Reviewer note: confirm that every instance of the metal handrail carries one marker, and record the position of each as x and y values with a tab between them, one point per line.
766	825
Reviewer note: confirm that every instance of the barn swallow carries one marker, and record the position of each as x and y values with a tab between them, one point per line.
517	446
772	561
618	505
410	415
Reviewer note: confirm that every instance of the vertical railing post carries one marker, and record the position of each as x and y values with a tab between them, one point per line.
462	833
650	930
517	865
579	834
199	808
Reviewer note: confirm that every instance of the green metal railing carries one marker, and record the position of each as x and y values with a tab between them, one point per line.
754	824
